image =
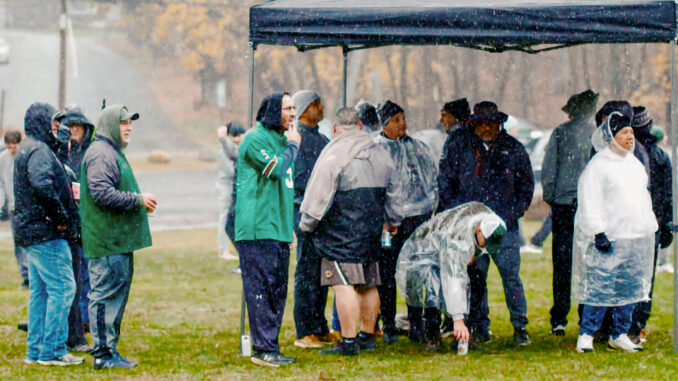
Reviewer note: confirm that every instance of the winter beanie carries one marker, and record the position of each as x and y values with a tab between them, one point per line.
388	111
302	99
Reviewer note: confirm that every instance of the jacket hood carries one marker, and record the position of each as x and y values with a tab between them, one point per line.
38	122
270	111
77	117
108	125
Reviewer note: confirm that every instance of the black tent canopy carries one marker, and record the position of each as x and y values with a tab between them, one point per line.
493	25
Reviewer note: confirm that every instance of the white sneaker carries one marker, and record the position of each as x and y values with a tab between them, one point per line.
67	359
530	249
623	343
665	268
226	255
584	343
29	361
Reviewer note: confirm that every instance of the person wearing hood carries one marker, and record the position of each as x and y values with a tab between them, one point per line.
353	193
230	137
662	205
309	297
114	225
567	152
264	209
45	220
431	269
613	238
77	131
417	170
483	163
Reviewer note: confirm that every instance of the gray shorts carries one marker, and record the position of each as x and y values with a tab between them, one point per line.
360	275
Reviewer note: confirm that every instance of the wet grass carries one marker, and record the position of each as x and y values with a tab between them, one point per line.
182	322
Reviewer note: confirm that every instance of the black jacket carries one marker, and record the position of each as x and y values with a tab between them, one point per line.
500	177
41	187
660	186
312	142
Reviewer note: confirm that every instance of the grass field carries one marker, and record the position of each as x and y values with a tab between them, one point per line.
182	322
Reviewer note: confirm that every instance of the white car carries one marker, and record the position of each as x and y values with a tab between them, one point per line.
4	51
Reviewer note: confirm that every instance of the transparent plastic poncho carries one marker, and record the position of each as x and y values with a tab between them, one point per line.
417	170
431	269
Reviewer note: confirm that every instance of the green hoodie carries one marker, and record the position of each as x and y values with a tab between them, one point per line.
109	230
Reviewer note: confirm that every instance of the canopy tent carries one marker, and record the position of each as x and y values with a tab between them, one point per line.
491	25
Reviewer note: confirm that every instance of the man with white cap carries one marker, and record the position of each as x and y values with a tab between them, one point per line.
309	297
431	269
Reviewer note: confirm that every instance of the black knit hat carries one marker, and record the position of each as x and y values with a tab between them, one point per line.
617	122
458	108
387	111
641	117
609	107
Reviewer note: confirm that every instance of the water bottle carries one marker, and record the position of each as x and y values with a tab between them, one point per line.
386	239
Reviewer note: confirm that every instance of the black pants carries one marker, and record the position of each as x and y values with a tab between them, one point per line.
387	268
641	312
563	232
310	297
424	320
76	335
264	265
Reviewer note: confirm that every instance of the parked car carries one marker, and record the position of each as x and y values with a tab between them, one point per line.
4	51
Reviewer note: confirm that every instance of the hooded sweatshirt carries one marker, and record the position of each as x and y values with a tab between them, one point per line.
114	220
41	187
77	150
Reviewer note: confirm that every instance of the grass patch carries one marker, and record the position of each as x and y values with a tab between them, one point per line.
182	322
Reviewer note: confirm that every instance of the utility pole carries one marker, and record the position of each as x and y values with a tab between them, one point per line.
62	55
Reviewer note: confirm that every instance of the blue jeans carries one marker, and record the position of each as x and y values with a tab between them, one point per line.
110	280
508	264
52	287
592	319
84	299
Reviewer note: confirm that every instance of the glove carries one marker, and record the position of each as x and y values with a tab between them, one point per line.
602	243
665	238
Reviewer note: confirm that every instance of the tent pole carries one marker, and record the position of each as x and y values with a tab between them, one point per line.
344	51
250	108
674	159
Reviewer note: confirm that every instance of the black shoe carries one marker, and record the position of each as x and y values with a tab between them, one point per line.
416	336
343	348
25	285
366	341
271	359
23	326
433	344
521	336
558	330
481	336
390	335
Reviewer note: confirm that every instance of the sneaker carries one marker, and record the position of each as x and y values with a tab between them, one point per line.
119	357
585	343
22	326
236	270
433	344
310	341
530	249
226	255
635	339
268	359
24	285
113	362
366	341
558	330
285	359
343	348
481	336
331	337
521	336
622	343
67	359
390	336
416	336
28	361
82	348
665	268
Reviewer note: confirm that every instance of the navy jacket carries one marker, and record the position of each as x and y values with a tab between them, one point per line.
500	177
41	186
312	142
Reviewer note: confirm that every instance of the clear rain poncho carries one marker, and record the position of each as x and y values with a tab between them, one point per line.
431	269
418	171
613	199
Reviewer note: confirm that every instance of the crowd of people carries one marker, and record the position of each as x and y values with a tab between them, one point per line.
369	211
77	216
374	210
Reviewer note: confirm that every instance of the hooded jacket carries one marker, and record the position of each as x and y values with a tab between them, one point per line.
114	220
41	187
77	150
499	177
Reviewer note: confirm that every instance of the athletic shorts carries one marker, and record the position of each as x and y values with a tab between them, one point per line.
360	275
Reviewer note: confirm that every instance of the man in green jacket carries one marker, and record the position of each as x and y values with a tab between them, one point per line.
114	224
264	222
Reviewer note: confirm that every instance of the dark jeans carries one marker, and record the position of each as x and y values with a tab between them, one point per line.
111	279
264	265
539	237
76	336
563	232
641	311
508	264
84	299
387	268
310	297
